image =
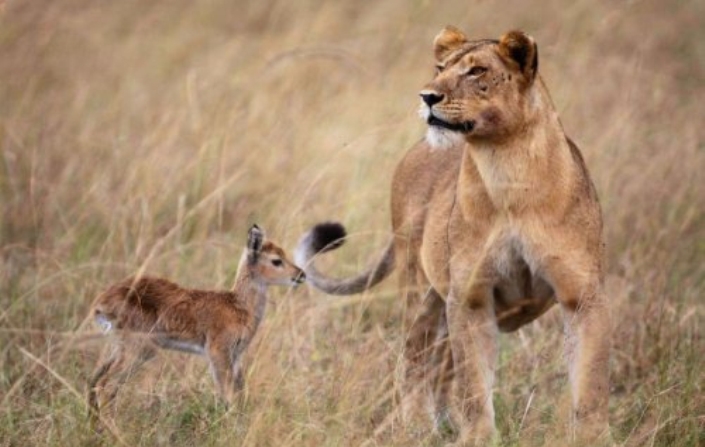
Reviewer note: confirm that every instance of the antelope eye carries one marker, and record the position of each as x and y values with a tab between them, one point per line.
277	262
476	71
439	68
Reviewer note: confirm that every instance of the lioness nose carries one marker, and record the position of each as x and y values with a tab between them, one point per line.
431	98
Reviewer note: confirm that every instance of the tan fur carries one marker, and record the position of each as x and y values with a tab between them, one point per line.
494	230
149	313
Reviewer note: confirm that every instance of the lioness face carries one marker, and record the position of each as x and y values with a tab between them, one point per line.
481	88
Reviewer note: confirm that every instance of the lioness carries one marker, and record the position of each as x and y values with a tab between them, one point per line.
495	219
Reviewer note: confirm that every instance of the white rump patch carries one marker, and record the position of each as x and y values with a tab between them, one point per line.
105	324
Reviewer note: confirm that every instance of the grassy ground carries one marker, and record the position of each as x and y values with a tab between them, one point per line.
152	134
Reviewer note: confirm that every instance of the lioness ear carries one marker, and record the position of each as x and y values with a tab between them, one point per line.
447	41
521	48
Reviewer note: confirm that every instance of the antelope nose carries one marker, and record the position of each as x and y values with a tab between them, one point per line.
300	278
431	98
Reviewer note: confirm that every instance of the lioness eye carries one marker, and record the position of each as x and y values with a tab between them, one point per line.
476	71
277	262
439	68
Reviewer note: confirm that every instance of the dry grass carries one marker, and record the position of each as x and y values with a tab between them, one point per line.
150	135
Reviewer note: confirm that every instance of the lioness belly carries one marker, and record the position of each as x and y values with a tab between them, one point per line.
518	302
520	294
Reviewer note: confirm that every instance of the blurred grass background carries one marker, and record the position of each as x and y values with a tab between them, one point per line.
152	134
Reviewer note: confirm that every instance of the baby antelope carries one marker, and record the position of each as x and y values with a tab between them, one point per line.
148	314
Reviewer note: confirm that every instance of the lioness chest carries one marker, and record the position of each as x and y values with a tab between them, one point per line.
451	245
498	252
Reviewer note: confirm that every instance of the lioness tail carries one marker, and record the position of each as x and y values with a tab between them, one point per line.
328	236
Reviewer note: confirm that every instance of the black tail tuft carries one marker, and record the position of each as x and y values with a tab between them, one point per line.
327	236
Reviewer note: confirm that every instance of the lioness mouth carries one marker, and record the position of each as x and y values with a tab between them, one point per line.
464	127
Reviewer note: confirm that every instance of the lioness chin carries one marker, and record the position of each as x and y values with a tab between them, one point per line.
490	230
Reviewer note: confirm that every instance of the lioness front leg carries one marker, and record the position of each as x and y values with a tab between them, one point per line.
587	346
473	341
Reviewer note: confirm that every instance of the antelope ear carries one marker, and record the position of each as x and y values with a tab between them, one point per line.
522	50
448	40
255	237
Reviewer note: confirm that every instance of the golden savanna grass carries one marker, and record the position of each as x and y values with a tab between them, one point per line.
148	136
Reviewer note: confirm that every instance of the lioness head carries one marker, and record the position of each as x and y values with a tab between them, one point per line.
481	89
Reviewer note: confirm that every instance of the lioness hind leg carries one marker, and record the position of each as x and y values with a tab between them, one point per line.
420	376
442	378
